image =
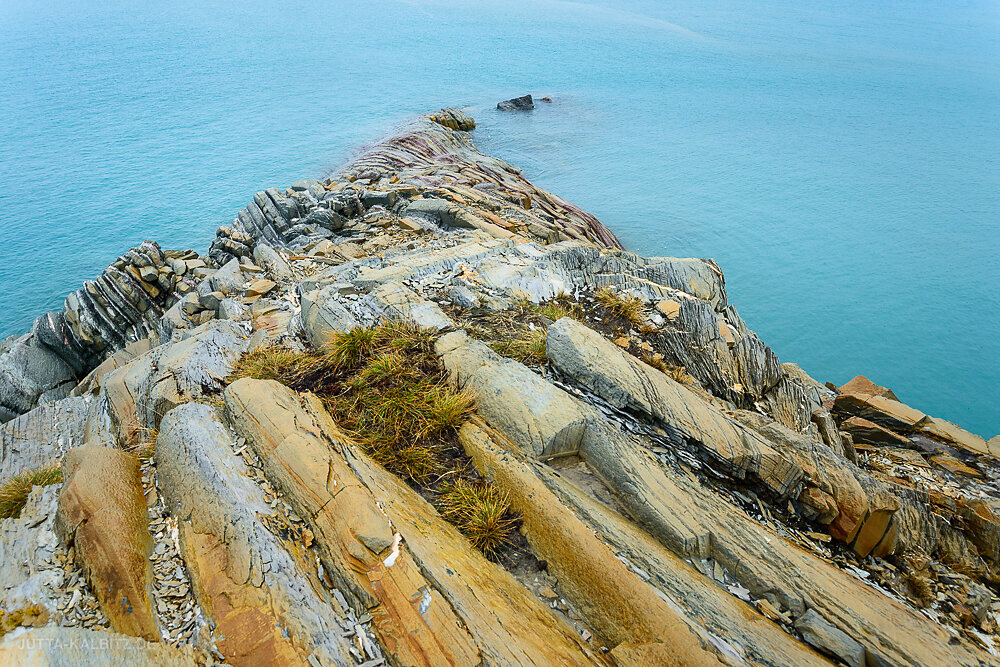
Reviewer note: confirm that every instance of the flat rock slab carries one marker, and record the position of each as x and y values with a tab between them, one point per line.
245	577
102	512
535	414
40	437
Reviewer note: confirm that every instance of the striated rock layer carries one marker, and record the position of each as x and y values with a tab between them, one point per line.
682	496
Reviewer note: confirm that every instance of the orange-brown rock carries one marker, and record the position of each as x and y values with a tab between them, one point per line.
245	623
434	600
869	433
619	605
862	386
255	583
885	412
102	513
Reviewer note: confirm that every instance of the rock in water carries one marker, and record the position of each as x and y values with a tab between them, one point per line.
523	103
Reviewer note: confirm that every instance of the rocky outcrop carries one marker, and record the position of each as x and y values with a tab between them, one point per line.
139	393
541	418
628	384
102	513
41	437
253	584
523	103
123	305
29	575
393	553
680	496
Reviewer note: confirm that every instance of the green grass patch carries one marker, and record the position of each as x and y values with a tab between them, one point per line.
481	512
383	385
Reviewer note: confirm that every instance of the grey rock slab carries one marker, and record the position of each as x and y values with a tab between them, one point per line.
542	419
817	631
398	302
28	573
145	389
42	436
634	475
229	279
272	262
210	488
629	384
322	316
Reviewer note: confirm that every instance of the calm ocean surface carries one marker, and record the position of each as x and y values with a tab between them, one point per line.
840	163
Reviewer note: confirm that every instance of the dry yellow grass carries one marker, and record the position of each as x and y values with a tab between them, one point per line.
481	512
382	384
629	308
14	492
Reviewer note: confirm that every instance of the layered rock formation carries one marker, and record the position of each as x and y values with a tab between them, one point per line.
682	497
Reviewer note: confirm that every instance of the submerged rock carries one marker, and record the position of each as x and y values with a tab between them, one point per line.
523	103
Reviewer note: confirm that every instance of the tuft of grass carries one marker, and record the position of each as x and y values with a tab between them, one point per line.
628	308
145	447
922	589
528	346
680	374
481	512
14	492
273	362
348	349
383	385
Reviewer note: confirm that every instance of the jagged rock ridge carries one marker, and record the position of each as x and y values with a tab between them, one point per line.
684	497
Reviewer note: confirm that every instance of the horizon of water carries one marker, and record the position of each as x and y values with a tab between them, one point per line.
841	165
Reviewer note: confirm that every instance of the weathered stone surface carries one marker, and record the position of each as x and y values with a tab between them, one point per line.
955	435
229	279
829	639
102	513
42	436
629	384
145	389
272	262
76	647
92	383
398	302
633	474
27	370
862	386
264	606
869	433
508	624
795	372
323	316
538	416
885	412
619	605
353	534
454	119
27	545
325	478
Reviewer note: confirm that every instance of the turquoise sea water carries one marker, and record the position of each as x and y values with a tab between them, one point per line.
840	162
